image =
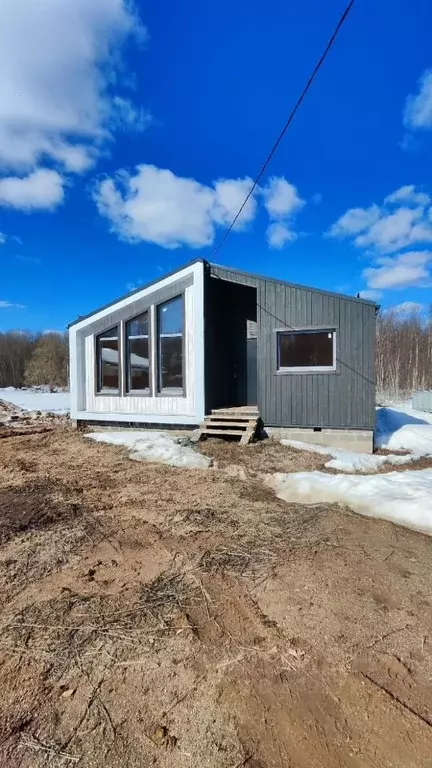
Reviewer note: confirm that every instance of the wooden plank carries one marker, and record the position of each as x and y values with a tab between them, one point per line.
247	437
222	424
237	432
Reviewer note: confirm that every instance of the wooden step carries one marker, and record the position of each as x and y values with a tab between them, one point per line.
210	423
233	414
222	433
239	422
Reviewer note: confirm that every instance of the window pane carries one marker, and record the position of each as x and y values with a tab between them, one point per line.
170	344
304	350
137	345
108	360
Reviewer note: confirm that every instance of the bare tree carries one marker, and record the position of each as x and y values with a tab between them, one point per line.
404	352
16	348
49	361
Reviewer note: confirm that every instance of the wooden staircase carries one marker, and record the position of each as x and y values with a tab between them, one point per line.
242	421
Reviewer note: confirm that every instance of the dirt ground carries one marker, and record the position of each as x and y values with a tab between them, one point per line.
153	616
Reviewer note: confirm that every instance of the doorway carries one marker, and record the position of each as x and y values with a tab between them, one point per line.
230	347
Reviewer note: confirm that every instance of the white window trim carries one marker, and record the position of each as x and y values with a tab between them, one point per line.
306	368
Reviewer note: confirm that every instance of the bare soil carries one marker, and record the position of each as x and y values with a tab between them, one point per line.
153	616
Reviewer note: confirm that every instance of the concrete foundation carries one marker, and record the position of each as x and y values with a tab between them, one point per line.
358	440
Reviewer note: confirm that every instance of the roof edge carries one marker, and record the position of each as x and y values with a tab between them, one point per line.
80	318
236	271
256	276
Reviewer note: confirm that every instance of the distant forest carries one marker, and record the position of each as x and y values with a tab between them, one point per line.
403	355
28	359
403	352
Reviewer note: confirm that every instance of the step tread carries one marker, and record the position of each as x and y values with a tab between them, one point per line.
235	414
208	431
235	423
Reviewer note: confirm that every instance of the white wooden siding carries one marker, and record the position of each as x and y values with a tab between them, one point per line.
176	409
142	404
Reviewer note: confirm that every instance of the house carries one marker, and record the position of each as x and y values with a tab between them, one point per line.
208	337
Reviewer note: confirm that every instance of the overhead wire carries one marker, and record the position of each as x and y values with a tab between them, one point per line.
273	150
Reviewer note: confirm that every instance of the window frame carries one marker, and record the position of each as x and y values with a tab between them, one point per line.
99	390
297	369
128	392
169	391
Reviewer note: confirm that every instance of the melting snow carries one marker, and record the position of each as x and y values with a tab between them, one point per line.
404	498
399	428
403	428
348	461
155	446
37	399
401	497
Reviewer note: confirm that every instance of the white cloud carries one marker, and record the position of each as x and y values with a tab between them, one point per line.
354	221
42	189
157	206
3	238
403	221
59	97
418	106
127	116
398	272
371	294
282	203
279	235
396	230
56	64
10	305
408	194
408	307
229	197
281	198
390	227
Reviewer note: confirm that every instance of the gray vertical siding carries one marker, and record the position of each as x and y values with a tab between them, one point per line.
343	399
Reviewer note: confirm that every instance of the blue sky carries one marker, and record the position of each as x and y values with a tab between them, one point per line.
128	139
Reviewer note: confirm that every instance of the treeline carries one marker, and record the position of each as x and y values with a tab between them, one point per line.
29	360
403	355
403	352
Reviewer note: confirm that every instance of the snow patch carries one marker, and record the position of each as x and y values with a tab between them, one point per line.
348	461
403	498
155	446
403	428
37	399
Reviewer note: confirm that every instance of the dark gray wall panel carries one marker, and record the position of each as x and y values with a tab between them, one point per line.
344	399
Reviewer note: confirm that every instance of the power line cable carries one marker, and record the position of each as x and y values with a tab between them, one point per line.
288	123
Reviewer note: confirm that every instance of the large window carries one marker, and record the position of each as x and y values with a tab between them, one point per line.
170	345
306	351
107	360
137	354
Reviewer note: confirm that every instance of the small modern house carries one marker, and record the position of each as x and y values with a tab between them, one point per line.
206	339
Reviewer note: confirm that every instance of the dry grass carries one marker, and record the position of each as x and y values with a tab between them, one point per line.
167	617
251	561
72	626
262	457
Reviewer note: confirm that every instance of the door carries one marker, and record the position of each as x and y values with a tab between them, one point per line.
252	372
